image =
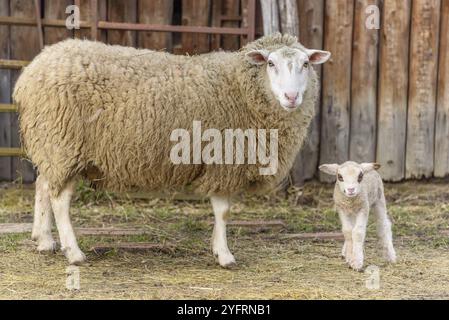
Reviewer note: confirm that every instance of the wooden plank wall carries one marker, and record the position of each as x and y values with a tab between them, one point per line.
385	93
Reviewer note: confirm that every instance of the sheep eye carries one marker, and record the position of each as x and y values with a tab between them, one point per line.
360	177
306	64
270	63
340	178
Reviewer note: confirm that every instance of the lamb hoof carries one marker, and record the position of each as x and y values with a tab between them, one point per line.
227	261
75	256
47	245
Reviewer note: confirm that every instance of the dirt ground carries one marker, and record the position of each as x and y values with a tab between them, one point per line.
271	265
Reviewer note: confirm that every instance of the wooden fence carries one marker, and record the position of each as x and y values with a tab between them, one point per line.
385	93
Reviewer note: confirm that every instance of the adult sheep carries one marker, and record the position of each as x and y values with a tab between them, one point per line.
106	113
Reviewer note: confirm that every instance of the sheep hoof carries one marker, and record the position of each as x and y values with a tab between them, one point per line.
356	265
227	261
47	245
75	256
390	257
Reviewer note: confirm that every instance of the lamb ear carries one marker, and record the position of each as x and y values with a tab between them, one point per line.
258	57
367	167
318	56
330	169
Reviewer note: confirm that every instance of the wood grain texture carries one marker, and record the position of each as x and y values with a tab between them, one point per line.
442	118
311	19
336	84
24	46
231	8
5	96
122	11
85	16
362	147
55	9
422	88
195	13
393	86
288	12
270	16
155	12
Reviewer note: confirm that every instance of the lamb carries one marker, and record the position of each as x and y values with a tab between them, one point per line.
106	114
359	188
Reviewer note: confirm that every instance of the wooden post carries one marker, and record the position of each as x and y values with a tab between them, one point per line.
94	20
122	11
422	90
288	12
393	85
55	9
5	96
195	13
231	8
442	119
270	14
24	46
362	146
336	83
40	33
155	12
311	22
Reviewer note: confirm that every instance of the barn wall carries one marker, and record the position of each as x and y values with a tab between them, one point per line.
384	92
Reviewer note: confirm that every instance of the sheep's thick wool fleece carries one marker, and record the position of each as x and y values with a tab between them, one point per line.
89	107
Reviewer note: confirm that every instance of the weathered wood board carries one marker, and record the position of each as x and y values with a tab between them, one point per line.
393	85
442	118
336	84
195	13
422	88
155	12
362	147
122	11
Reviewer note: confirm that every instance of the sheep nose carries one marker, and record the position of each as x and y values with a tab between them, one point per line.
291	96
351	190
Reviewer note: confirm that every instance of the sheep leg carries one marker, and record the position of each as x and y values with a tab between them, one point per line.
61	206
221	206
42	223
347	224
384	231
358	239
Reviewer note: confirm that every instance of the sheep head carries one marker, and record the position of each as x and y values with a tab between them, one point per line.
287	71
349	175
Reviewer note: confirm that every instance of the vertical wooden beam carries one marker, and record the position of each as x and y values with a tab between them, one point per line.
442	119
5	96
85	15
362	146
250	19
122	11
40	32
288	12
155	12
24	46
311	23
337	83
215	41
231	8
94	20
270	14
195	13
422	89
55	9
393	86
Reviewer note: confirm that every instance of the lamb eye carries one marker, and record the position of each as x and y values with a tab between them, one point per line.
306	65
340	178
270	63
360	177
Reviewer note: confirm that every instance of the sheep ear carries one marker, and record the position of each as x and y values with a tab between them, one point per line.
318	56
257	57
330	169
367	167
